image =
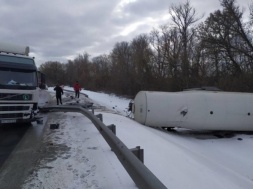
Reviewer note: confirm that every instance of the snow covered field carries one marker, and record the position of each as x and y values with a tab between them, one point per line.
183	159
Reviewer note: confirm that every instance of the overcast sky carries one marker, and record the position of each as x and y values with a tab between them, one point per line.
60	30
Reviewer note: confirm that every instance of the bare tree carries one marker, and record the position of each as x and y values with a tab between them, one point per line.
167	46
101	76
227	43
120	69
140	67
184	16
224	30
82	69
54	73
159	63
70	72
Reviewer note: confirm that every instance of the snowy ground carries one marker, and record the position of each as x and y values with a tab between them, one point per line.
182	159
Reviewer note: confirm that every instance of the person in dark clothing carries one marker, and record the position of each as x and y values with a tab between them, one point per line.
59	92
77	89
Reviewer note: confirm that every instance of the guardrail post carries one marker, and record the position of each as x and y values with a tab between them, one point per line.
92	110
112	127
138	152
100	116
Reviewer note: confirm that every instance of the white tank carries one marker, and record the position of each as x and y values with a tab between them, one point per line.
205	110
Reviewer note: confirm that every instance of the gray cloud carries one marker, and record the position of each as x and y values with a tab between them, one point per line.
59	30
146	7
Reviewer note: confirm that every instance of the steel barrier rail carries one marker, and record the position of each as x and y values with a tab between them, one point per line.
141	175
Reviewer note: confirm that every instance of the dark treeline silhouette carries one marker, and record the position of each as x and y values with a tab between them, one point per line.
183	54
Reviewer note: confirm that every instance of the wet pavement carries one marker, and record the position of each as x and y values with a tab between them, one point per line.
19	145
10	135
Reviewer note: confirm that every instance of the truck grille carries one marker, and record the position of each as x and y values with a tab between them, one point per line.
11	96
17	115
14	108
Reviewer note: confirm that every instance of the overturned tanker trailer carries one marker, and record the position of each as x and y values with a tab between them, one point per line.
195	109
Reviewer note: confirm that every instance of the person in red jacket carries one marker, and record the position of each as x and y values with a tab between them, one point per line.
77	89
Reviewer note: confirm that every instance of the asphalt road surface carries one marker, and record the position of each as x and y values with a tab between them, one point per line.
10	135
19	145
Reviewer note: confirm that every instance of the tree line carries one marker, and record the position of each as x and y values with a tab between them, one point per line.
186	53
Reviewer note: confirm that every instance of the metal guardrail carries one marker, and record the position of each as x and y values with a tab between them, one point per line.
141	175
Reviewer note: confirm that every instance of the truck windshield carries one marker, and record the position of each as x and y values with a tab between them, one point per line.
17	78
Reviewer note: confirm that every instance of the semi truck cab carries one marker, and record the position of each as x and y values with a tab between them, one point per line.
19	91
